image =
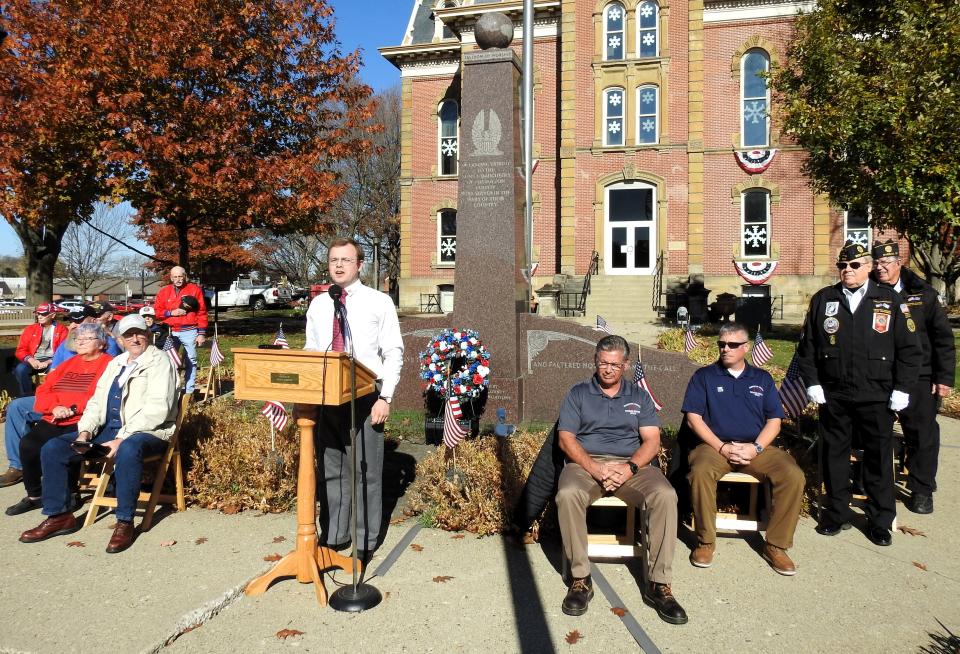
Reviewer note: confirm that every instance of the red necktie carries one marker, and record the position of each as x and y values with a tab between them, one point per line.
338	345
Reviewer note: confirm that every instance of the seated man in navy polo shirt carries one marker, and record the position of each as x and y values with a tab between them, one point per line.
610	434
735	410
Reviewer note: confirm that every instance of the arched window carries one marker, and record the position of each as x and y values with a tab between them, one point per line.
755	99
755	232
613	101
613	19
648	33
647	123
449	146
447	236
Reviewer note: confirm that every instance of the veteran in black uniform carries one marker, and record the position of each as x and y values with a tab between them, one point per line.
859	356
919	420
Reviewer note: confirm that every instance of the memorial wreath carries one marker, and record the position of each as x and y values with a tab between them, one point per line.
455	359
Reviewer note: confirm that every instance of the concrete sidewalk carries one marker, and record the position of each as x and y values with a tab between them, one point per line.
472	595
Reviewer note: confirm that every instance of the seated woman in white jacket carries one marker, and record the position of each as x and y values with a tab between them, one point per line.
132	415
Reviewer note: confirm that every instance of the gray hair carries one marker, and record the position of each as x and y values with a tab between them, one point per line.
92	329
732	328
613	344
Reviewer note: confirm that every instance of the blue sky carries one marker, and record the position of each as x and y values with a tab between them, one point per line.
364	24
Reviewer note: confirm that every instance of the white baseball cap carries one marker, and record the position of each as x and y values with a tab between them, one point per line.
131	321
147	311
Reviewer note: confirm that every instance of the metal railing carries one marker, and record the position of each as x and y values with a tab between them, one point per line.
576	303
655	303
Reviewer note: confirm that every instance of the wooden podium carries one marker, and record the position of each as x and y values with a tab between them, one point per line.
306	379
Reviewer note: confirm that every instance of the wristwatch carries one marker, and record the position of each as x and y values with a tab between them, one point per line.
759	447
386	399
634	468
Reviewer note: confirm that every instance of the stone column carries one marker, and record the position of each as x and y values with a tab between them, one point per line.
490	290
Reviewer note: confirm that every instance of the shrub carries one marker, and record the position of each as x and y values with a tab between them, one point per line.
231	465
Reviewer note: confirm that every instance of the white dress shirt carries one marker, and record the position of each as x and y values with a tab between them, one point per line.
372	327
854	297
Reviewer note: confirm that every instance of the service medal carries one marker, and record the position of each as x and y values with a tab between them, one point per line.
831	325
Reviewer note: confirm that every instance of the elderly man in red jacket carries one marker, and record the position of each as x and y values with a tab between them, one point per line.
37	345
181	306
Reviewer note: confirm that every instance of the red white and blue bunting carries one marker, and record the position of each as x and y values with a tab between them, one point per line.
755	161
756	272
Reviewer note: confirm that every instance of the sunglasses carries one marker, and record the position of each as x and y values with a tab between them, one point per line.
853	265
733	345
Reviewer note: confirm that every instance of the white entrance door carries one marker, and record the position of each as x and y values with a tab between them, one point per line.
630	229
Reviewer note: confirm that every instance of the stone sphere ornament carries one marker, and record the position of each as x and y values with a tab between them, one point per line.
494	30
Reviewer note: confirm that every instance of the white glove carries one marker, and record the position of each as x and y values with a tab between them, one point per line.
899	400
815	394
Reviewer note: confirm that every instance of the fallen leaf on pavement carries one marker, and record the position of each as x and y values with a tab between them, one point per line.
76	543
398	521
922	566
168	543
457	536
200	541
386	595
230	509
442	579
272	557
416	548
279	539
573	637
286	633
910	530
618	611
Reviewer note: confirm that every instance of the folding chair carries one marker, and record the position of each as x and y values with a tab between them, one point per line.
171	457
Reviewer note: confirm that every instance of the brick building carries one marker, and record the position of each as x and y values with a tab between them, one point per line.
640	110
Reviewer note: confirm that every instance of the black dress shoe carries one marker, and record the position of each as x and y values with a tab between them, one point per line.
920	503
24	505
828	527
578	596
660	597
879	535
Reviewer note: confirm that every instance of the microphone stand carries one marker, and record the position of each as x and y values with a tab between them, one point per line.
358	596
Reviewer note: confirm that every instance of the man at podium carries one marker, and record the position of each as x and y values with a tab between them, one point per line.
370	331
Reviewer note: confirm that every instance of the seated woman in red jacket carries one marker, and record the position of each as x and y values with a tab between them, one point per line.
61	400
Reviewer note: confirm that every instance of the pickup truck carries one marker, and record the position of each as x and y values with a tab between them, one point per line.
243	293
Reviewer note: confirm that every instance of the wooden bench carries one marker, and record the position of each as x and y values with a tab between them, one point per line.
751	520
628	543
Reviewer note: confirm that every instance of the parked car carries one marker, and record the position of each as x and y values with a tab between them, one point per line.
69	305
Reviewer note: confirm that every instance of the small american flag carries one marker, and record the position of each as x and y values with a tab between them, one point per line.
216	354
641	380
276	414
689	341
170	346
761	351
453	431
281	339
793	393
602	325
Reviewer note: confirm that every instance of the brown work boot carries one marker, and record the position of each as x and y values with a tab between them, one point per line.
778	560
10	477
702	555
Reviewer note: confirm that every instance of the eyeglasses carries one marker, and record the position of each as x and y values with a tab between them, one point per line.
886	263
344	261
86	340
854	265
609	366
733	345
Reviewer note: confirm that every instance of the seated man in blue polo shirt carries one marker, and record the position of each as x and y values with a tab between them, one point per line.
610	434
735	410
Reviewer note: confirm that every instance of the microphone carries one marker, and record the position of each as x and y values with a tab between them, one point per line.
336	292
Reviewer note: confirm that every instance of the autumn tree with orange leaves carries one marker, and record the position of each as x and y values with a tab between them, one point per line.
232	115
210	117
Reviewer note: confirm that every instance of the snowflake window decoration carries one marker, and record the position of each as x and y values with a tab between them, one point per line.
649	38
755	236
647	126
457	360
614	13
646	9
448	147
647	97
448	247
859	237
754	112
614	127
614	41
616	99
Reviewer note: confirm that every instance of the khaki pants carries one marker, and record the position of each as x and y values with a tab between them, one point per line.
648	489
707	466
